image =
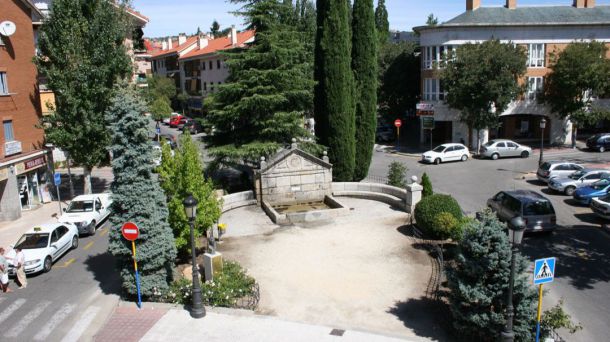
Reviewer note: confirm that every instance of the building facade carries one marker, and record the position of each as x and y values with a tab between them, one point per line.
22	155
541	30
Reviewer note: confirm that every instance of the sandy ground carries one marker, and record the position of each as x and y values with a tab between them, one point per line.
358	272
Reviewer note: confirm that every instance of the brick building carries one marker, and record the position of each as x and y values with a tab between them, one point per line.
541	30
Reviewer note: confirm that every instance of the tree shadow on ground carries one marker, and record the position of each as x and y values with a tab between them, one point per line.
535	182
103	268
427	317
582	254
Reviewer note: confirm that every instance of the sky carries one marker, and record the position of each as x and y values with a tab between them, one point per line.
184	16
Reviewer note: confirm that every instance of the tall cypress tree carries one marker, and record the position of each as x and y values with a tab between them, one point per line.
364	65
382	23
137	197
333	102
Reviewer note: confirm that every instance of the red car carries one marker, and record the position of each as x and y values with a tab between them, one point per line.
175	120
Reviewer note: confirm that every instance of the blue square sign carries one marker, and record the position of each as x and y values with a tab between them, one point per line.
57	178
544	270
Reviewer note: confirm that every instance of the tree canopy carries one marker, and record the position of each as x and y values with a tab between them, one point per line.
399	79
382	23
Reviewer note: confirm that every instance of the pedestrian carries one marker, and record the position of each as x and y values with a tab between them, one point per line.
19	263
4	272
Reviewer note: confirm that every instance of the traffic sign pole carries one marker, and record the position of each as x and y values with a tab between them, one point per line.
57	182
135	266
539	312
131	232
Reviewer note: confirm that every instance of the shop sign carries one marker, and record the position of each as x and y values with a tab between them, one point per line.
3	173
34	163
428	122
12	147
423	108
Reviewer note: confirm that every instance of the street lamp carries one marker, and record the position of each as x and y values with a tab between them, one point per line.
516	227
542	126
190	207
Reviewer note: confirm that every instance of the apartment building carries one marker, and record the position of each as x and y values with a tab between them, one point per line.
541	30
165	62
22	156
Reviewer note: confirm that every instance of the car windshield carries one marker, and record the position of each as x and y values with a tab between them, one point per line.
489	143
538	208
577	175
439	149
546	166
605	198
80	206
600	185
33	241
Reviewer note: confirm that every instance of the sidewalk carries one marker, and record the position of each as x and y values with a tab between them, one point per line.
163	322
10	231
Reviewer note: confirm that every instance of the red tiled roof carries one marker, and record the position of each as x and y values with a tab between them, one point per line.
219	44
178	48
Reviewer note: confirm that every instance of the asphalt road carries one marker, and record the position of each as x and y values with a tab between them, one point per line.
581	247
70	303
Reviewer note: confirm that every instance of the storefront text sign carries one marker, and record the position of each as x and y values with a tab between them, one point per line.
34	163
12	147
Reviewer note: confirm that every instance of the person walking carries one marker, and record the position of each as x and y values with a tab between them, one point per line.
4	272
19	263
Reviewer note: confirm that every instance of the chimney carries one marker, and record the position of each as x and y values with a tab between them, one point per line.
164	45
579	3
589	3
181	39
472	5
511	4
169	43
233	35
202	42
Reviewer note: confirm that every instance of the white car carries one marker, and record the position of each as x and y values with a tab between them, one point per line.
601	207
446	152
43	245
86	212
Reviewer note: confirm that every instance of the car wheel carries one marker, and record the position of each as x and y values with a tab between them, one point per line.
464	158
495	156
570	190
437	161
48	263
602	149
92	228
74	242
525	154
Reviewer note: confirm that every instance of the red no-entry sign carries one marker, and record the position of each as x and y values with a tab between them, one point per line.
397	123
130	231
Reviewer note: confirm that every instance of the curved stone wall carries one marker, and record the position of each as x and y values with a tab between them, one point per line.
388	194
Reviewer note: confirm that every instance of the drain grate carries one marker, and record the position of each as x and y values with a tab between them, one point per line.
337	332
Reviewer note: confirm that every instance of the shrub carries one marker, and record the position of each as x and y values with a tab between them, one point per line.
444	224
397	173
556	318
430	207
427	184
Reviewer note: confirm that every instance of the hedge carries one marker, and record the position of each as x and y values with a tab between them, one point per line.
431	215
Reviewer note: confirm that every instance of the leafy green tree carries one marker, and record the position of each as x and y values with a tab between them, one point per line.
82	55
215	28
261	107
427	185
181	175
397	173
382	23
482	81
364	66
431	20
478	284
579	73
137	198
333	99
159	87
160	108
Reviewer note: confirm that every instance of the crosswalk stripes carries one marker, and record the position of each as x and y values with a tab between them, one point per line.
27	319
57	318
11	309
79	327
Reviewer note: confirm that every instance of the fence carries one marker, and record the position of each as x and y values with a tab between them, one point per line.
375	179
438	265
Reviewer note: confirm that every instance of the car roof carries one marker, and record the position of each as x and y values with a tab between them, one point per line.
44	228
451	144
85	197
526	195
556	162
586	170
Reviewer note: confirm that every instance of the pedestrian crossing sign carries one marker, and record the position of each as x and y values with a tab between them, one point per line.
544	270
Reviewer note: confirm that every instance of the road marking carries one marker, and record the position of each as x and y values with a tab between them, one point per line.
57	318
104	232
79	327
67	263
87	246
12	308
27	319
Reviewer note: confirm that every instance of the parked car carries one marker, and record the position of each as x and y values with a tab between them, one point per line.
174	121
384	133
157	152
577	180
537	211
182	122
171	116
170	139
193	126
446	152
86	212
555	169
585	194
599	142
43	245
601	206
498	148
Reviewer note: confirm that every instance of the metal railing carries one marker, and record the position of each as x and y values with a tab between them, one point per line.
438	262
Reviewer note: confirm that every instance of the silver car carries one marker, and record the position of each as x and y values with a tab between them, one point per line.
578	179
497	148
536	210
556	169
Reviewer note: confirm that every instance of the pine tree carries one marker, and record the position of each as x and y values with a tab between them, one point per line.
427	185
364	65
333	102
137	198
478	283
181	175
382	23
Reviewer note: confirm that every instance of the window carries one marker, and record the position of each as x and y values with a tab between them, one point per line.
534	87
205	86
511	145
535	56
203	66
211	65
501	144
218	64
433	90
3	84
427	60
8	130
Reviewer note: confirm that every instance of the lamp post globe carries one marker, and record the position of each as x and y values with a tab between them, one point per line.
542	127
190	208
516	228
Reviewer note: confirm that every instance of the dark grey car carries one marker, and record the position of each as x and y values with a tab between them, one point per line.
535	209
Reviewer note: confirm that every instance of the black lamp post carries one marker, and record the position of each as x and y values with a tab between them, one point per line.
516	227
190	207
542	126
